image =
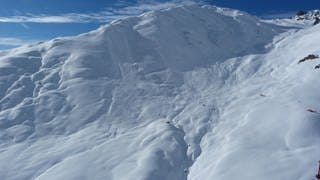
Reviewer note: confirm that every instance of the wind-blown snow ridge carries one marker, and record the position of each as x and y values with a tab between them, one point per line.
171	94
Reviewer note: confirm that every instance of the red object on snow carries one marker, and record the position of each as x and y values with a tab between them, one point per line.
318	175
312	110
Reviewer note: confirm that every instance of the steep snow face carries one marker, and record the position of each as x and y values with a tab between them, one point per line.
203	36
171	94
265	130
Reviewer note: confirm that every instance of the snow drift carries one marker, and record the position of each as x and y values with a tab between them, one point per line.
168	95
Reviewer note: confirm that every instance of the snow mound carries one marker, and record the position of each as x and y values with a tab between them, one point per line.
171	94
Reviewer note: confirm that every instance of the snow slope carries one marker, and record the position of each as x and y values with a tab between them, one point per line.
170	95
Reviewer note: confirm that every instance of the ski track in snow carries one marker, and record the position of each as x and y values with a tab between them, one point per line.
191	92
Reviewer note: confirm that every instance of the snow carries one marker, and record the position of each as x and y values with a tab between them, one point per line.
191	92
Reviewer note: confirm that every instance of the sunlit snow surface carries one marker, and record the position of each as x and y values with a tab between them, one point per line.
197	93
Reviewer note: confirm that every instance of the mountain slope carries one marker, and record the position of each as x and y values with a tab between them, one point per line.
171	94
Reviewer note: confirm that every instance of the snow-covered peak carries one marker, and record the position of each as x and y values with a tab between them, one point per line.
197	36
153	47
307	15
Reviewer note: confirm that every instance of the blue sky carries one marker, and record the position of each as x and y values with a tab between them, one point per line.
27	21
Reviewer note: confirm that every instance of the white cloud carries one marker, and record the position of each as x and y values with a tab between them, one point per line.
104	16
15	41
